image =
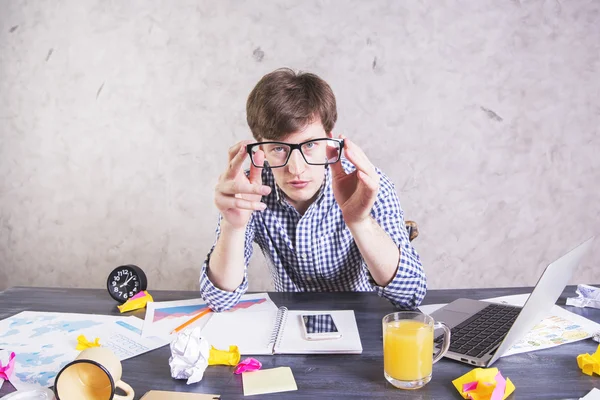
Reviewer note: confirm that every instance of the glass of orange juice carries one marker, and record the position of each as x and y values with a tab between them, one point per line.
408	348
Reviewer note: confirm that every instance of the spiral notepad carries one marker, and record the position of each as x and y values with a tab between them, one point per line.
279	332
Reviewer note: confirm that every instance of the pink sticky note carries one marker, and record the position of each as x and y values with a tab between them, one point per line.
467	387
498	393
137	296
6	371
247	365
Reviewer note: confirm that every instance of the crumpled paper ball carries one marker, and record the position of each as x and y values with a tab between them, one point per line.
83	343
589	363
247	365
189	355
484	384
7	370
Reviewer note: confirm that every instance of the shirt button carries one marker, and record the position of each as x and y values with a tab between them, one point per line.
308	278
304	255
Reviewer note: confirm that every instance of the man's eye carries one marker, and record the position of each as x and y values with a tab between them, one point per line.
278	149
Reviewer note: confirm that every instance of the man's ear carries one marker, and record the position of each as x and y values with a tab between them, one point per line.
329	135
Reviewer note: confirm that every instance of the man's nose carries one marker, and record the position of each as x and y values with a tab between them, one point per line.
296	164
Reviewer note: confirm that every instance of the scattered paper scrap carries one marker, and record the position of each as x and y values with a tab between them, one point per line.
590	364
247	365
83	343
484	384
594	394
587	296
136	302
6	369
224	357
272	380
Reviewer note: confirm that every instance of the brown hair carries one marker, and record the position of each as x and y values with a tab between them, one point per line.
284	101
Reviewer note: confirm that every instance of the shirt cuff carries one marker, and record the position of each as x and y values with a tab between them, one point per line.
408	287
218	299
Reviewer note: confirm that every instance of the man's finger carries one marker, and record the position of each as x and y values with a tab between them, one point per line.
232	187
235	164
358	158
371	184
231	202
233	150
255	172
337	170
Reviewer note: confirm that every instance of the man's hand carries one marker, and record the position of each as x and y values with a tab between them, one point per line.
356	192
236	195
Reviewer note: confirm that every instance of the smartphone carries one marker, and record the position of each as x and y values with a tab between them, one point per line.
319	327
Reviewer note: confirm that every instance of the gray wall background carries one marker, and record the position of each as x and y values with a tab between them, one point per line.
116	117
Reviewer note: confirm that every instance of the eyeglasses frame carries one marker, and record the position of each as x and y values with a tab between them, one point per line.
293	147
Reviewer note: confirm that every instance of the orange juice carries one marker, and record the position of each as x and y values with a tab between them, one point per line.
407	349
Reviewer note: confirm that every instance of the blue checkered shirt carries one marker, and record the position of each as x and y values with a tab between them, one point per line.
316	252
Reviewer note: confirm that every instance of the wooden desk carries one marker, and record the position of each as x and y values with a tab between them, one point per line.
545	374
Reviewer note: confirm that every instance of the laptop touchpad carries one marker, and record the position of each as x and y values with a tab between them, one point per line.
451	318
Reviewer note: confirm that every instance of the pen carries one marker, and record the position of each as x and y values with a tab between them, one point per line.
192	320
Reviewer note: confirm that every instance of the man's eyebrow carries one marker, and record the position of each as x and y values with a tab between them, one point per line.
313	138
302	141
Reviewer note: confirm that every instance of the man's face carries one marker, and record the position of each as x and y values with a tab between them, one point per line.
298	180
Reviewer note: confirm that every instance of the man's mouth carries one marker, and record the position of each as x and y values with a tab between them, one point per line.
298	184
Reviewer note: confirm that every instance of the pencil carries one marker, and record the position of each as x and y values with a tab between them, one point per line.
192	320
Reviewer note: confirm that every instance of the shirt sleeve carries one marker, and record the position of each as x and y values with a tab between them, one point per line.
218	299
408	288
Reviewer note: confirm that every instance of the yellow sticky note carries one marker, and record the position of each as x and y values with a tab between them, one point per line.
83	343
272	380
479	384
136	302
224	357
590	364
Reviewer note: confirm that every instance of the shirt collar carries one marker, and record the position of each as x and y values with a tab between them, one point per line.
279	196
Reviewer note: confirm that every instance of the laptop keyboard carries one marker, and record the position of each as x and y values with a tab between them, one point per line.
482	332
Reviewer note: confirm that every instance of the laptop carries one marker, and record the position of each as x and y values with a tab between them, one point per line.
482	331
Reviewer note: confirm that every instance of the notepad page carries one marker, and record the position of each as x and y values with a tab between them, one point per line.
249	330
292	339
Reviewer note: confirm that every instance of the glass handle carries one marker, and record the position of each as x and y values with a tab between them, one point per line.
445	342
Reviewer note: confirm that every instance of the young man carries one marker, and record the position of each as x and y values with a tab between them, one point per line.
323	222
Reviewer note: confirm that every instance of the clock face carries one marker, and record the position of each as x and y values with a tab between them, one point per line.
125	282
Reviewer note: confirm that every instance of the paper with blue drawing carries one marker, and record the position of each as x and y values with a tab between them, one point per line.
45	342
162	317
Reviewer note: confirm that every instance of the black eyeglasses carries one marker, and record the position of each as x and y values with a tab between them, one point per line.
314	152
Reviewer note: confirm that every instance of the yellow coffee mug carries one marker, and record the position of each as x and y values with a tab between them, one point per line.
94	375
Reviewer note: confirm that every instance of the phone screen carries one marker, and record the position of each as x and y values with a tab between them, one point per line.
319	323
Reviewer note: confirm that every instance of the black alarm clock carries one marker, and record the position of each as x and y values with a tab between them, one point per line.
126	281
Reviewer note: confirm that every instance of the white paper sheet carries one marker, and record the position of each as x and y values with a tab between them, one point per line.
594	394
45	342
164	316
559	327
